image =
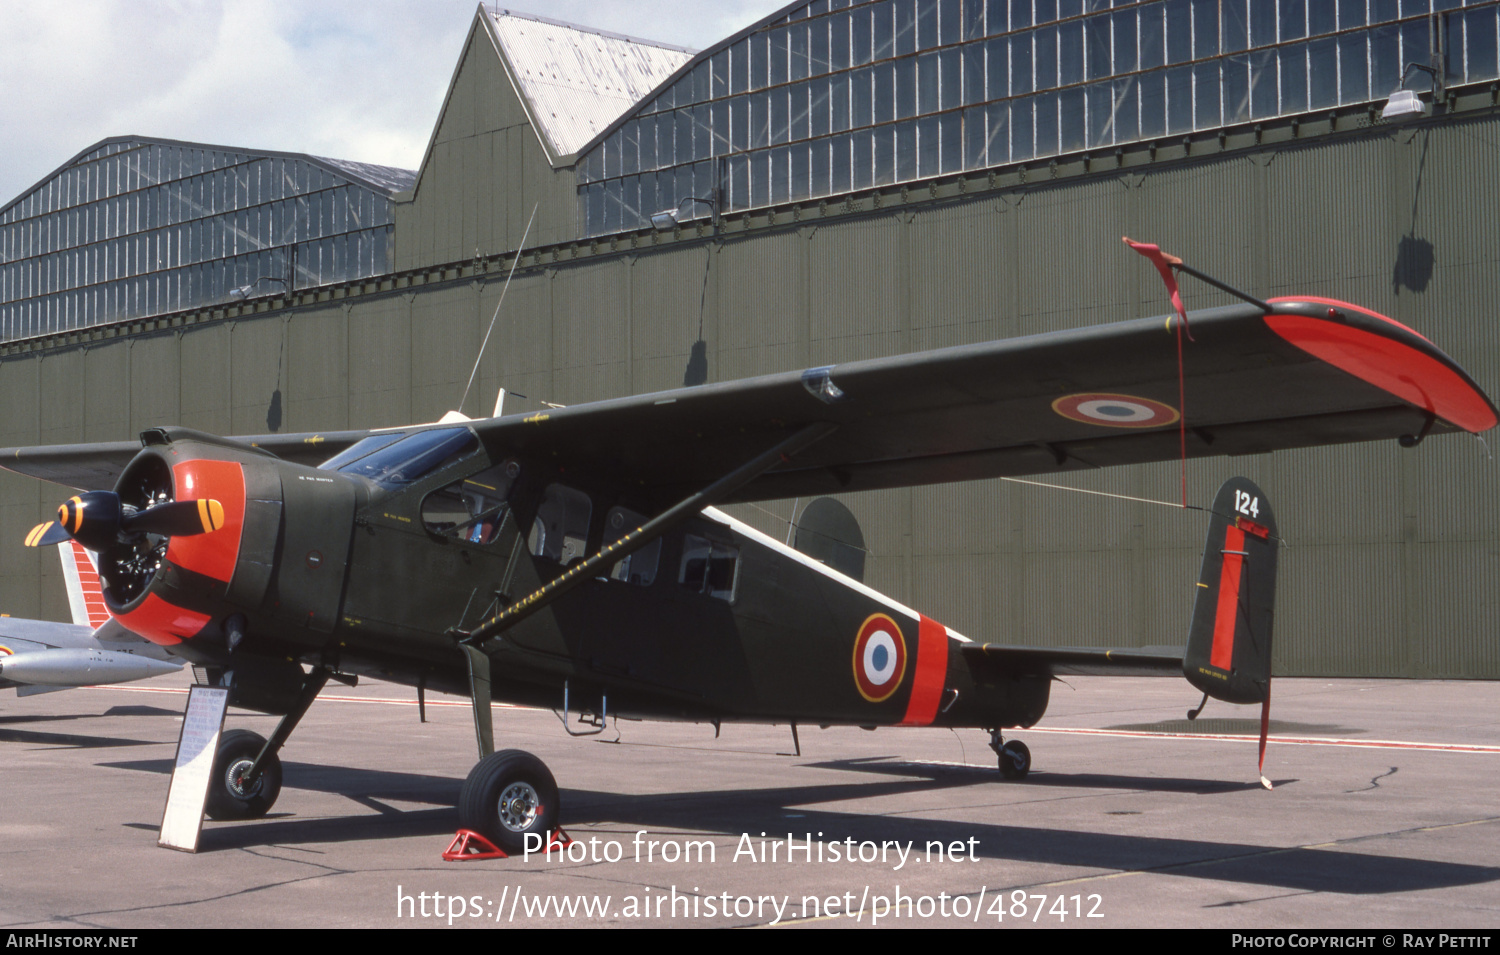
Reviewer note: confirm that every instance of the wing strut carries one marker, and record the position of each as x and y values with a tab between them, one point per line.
471	641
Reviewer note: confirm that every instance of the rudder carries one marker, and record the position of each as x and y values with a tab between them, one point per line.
1229	641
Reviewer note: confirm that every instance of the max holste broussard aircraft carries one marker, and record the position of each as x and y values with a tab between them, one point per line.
574	556
40	656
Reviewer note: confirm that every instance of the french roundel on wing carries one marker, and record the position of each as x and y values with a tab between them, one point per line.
1115	411
879	658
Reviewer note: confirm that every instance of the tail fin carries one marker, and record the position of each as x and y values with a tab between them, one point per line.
1229	643
85	591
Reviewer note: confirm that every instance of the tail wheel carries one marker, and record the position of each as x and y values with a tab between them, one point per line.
1015	760
508	796
229	796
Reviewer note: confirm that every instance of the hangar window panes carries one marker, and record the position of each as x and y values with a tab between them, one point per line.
138	228
1005	81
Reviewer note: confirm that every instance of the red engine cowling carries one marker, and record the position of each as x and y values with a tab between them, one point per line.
171	588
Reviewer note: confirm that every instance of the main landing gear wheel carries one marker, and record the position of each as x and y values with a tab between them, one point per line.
228	795
507	796
1015	760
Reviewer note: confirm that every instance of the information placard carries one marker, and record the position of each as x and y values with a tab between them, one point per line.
182	821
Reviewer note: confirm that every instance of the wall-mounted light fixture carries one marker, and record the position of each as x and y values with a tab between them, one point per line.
243	292
1405	103
668	218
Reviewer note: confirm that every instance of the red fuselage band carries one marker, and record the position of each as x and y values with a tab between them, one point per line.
931	673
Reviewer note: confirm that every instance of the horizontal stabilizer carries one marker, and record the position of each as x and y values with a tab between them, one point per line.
997	660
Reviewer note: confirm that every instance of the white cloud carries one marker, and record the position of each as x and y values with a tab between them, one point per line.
351	79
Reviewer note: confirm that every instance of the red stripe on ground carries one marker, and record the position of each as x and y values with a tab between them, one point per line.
1288	740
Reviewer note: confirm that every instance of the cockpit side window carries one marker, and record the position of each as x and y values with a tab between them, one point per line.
409	458
639	568
472	510
561	529
709	567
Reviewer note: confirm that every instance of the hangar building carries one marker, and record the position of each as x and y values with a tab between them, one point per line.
857	179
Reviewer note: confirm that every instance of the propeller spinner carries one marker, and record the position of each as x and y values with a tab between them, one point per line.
97	520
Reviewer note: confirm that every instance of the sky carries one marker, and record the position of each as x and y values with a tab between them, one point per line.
350	79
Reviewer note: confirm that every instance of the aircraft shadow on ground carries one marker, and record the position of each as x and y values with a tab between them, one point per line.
952	775
67	740
43	718
767	810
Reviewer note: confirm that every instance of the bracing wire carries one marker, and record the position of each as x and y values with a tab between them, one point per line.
1177	505
512	274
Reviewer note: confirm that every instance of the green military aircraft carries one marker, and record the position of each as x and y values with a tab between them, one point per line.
574	557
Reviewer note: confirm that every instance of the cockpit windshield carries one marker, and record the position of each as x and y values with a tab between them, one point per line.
359	449
394	461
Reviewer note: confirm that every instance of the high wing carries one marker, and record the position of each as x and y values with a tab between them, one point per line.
96	467
1311	372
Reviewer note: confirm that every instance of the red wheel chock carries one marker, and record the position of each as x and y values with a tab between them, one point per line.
469	845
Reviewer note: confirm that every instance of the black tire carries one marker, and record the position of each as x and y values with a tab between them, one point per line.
226	799
507	796
1015	760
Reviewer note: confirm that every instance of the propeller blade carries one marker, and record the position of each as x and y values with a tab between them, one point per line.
46	534
178	518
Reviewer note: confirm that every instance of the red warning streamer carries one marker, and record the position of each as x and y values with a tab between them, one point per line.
1265	729
1164	264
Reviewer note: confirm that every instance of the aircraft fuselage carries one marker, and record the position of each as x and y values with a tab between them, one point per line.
713	621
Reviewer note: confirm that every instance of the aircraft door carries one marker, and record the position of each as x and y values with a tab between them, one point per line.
434	556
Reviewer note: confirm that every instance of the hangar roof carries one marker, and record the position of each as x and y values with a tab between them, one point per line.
575	80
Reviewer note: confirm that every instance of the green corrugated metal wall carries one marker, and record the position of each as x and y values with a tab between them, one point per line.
1394	563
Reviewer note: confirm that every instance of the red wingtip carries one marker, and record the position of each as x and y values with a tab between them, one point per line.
1416	376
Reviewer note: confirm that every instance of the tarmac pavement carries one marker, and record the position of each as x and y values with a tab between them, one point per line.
1384	815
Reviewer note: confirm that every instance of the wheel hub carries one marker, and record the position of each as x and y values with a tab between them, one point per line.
520	805
234	779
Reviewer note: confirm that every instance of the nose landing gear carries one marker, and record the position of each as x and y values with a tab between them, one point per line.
230	796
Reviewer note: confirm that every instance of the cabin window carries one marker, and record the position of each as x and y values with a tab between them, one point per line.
639	568
561	529
709	567
472	510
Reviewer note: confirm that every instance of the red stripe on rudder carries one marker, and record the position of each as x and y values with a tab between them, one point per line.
1227	613
929	675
